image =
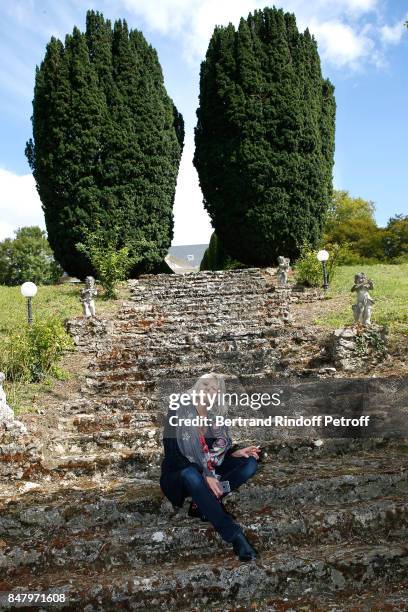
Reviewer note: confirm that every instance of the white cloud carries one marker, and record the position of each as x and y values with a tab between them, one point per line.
165	16
20	204
207	15
392	34
340	44
192	224
361	6
344	41
193	20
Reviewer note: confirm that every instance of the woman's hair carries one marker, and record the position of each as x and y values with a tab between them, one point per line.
219	404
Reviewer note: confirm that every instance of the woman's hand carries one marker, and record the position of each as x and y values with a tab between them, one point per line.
214	486
249	451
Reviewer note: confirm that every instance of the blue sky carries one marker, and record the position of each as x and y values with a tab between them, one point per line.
364	51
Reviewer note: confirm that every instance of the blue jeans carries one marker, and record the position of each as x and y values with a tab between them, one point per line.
236	470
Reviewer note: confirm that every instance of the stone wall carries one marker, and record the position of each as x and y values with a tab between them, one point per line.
357	347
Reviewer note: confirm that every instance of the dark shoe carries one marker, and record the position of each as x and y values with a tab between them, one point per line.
194	512
242	548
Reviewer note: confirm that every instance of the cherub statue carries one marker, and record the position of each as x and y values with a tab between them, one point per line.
88	293
6	412
283	269
7	418
363	307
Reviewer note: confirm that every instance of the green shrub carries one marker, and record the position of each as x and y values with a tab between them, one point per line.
30	353
111	261
347	256
28	257
309	269
402	259
339	255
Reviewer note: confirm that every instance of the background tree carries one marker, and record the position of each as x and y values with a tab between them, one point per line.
396	238
107	142
28	257
265	137
351	220
216	258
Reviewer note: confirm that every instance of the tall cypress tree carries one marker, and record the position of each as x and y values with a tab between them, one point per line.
265	137
107	143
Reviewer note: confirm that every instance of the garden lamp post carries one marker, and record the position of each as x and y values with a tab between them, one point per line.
29	290
323	256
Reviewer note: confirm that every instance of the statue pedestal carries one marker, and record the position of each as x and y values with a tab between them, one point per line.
357	347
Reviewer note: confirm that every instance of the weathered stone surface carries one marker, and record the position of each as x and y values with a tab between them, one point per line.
8	422
19	453
90	334
328	515
356	348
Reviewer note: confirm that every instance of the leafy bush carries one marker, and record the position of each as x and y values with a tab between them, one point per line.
396	239
28	257
340	254
30	353
111	261
309	269
351	220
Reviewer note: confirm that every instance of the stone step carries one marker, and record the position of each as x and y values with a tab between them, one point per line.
347	485
164	316
162	326
151	357
335	479
117	437
93	423
198	279
80	504
198	288
245	316
235	276
224	580
243	308
132	309
99	462
162	342
134	383
201	289
384	597
139	539
198	302
19	457
142	368
91	437
142	342
203	274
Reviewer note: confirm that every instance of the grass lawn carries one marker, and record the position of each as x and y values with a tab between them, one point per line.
391	308
390	294
60	301
55	300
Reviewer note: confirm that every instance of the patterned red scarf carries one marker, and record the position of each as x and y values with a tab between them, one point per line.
214	456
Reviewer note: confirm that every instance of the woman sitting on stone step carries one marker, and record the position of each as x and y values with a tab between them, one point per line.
198	457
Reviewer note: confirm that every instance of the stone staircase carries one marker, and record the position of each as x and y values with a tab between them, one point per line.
84	514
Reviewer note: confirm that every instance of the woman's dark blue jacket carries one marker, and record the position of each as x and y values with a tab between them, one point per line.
174	462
